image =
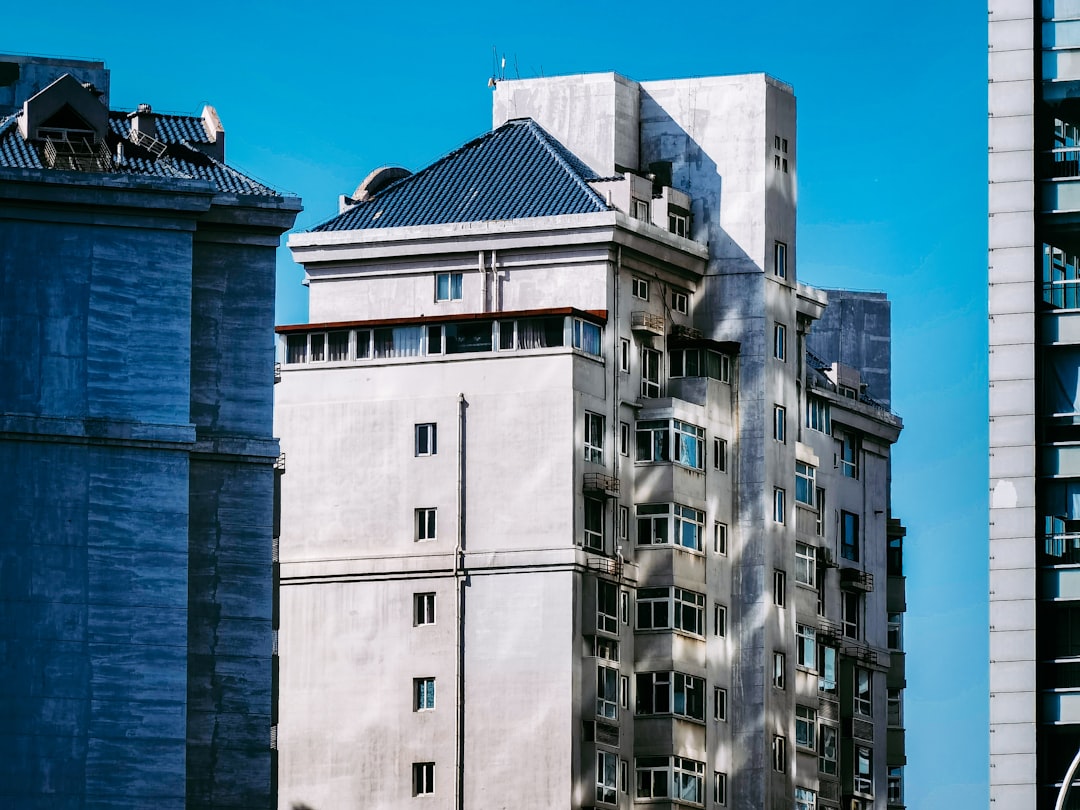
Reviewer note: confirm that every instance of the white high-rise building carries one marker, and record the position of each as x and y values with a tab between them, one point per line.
578	510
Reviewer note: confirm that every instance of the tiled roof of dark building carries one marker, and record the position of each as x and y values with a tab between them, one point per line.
180	159
517	171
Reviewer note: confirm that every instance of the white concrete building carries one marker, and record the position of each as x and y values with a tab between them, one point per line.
1034	276
566	520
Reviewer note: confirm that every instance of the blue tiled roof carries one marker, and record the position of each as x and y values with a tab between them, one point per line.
181	159
517	171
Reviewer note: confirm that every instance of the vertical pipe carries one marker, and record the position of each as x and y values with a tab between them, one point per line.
460	578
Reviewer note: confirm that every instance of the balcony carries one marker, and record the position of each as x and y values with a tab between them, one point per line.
829	632
601	484
647	322
1062	548
852	579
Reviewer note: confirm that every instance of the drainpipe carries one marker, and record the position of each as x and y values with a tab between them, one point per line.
460	579
496	291
481	265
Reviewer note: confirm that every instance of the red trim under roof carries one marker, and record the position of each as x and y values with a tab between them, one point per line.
595	315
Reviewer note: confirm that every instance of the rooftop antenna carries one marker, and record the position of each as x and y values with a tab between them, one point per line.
497	72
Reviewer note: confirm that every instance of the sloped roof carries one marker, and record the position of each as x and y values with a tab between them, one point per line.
181	158
517	171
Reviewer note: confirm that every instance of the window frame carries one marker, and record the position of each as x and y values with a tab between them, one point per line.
780	259
594	533
674	605
849	536
454	287
779	506
624	439
719	704
425	524
862	692
894	633
780	424
607	692
779	753
677	524
624	355
805	798
805	483
719	454
423	608
639	288
680	302
607	765
719	620
425	440
851	615
805	727
780	342
423	778
828	749
424	694
805	564
806	647
669	441
720	538
863	770
595	428
779	588
719	789
607	592
779	673
662	693
650	373
848	455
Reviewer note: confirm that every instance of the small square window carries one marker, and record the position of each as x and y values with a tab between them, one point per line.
776	161
780	342
784	164
783	145
719	704
680	302
776	142
426	435
423	694
720	454
640	288
779	677
780	423
624	438
425	523
719	620
779	580
719	788
720	538
448	286
779	505
624	355
423	778
423	608
780	260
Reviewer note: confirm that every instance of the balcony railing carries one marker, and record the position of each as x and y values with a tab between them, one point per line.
1061	549
605	565
647	322
852	579
602	484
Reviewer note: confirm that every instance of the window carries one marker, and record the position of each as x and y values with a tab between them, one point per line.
624	606
784	163
805	564
670	778
671	440
896	784
425	524
624	355
606	648
680	301
624	520
423	609
780	260
779	431
779	754
426	439
894	557
779	666
819	526
719	788
607	692
805	799
423	694
719	704
587	337
594	524
607	597
817	414
650	373
720	538
805	641
864	698
624	439
805	727
719	620
896	631
719	449
671	693
606	764
779	585
654	525
864	770
448	286
780	342
779	506
849	536
849	455
640	288
423	778
805	479
677	223
639	209
671	609
700	363
827	761
624	691
894	704
851	605
624	775
594	438
827	669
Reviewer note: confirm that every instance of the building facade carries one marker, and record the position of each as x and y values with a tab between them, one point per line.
136	300
1034	144
570	516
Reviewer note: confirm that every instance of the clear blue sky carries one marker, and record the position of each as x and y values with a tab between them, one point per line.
892	197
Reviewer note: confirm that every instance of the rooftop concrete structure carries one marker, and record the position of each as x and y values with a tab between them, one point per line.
136	447
567	520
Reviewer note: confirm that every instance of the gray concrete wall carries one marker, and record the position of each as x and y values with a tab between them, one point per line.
856	330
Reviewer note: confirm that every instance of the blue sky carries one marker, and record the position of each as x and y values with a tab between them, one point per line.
892	197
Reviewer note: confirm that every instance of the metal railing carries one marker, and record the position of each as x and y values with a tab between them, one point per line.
647	322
